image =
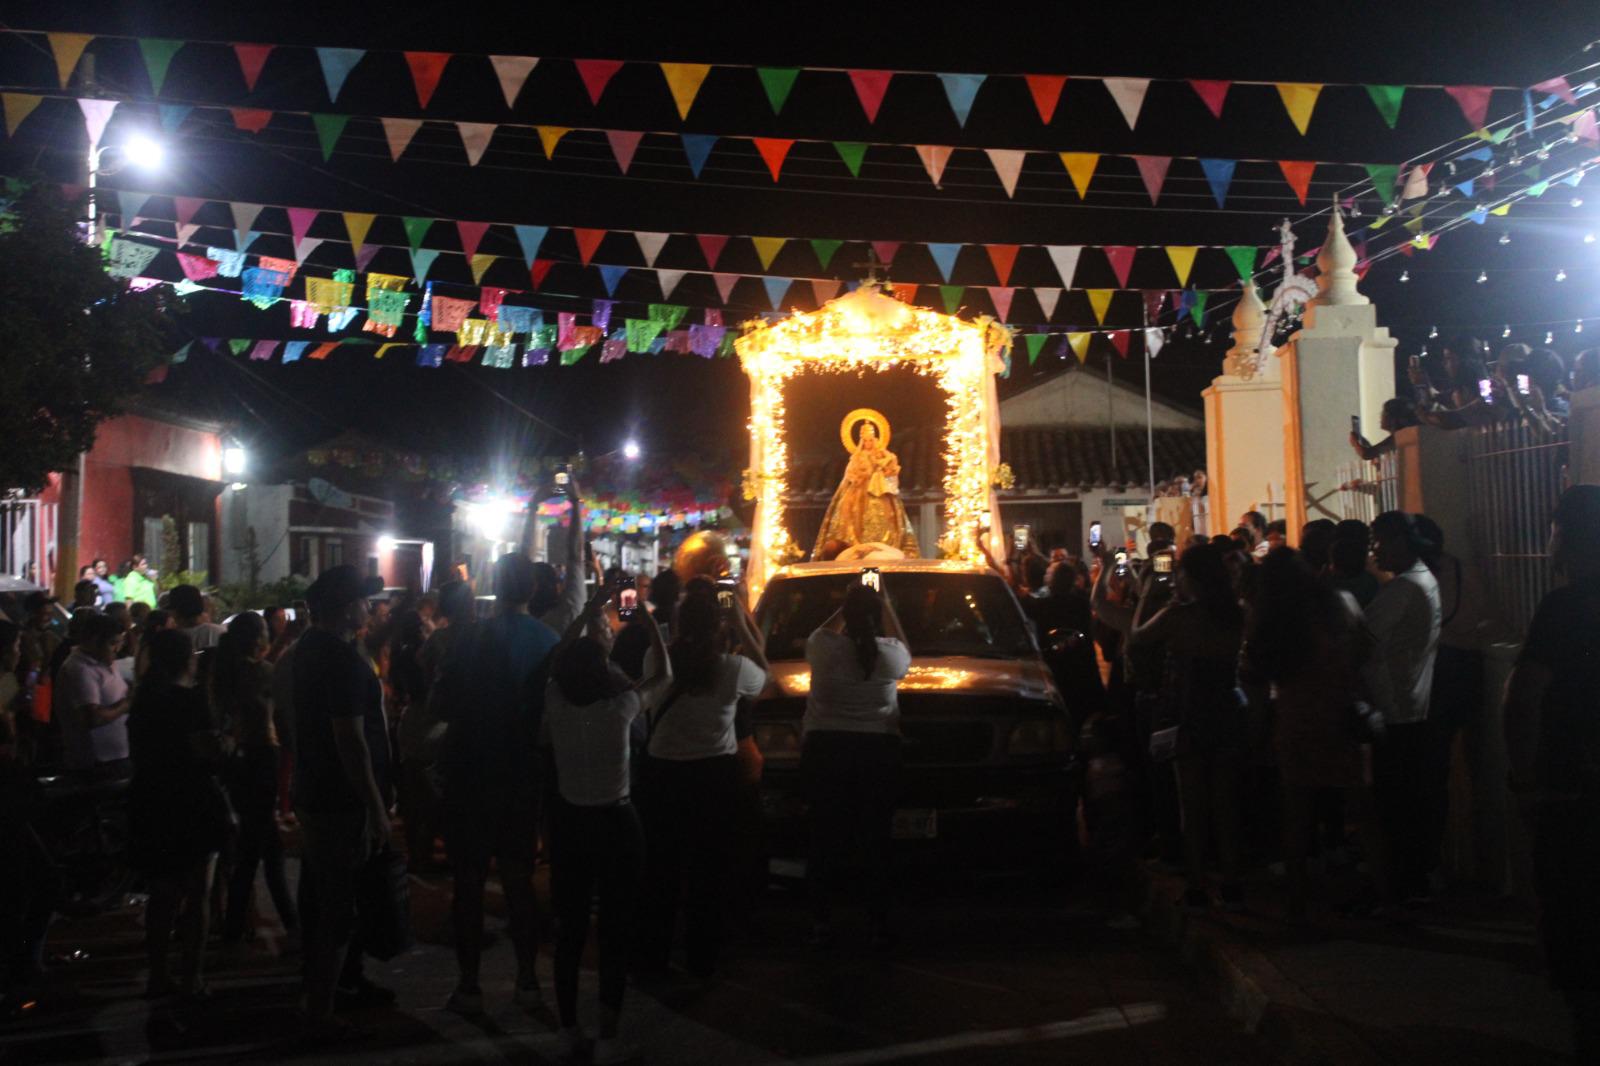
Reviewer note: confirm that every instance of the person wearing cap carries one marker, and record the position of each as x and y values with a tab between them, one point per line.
1552	729
341	788
189	608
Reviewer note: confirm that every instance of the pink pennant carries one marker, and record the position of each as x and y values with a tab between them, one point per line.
1121	259
398	132
1001	296
96	113
596	75
1585	127
426	69
885	251
870	87
252	57
186	207
934	157
711	244
1474	102
725	284
300	219
623	144
471	233
1558	87
197	267
824	289
1212	93
365	256
1153	169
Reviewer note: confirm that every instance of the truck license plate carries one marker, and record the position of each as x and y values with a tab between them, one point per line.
916	824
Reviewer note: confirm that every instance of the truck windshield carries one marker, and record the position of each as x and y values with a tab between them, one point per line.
943	614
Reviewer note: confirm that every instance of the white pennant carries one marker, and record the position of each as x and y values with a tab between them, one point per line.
1129	95
1048	298
513	73
1416	186
244	216
1008	164
475	138
934	157
306	246
1065	257
1154	339
824	289
669	281
651	244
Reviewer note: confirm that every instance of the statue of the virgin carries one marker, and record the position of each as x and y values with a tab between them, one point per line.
866	510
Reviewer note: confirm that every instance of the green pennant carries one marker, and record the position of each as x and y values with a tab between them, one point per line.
329	127
825	247
669	315
1386	98
1035	343
725	349
1244	259
1383	177
416	229
951	294
1499	136
572	355
158	53
642	333
852	152
239	345
1198	310
777	81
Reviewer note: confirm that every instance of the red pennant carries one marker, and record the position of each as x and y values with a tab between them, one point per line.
588	241
250	119
885	251
623	144
540	268
905	292
1046	90
1152	303
870	87
1153	169
322	351
1474	101
471	233
711	244
1121	259
1298	174
426	67
596	75
1003	256
460	353
1213	93
252	57
1119	340
774	150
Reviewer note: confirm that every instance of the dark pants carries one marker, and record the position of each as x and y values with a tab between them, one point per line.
253	786
852	783
594	851
335	851
507	833
687	808
1566	878
1456	704
1398	760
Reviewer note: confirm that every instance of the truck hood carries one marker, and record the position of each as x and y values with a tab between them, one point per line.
1002	678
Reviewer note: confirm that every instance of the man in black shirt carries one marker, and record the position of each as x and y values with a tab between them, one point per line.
341	782
1552	724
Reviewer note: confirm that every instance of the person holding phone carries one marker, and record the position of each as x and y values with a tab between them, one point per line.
1397	414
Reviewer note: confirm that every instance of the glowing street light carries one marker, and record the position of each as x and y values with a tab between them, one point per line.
386	544
630	450
144	151
235	460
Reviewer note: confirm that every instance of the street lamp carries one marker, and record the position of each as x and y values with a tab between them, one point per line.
630	450
235	460
137	149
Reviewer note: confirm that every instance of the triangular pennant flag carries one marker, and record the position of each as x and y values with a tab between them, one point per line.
1153	169
1046	92
1182	257
426	68
1154	340
774	150
357	223
934	157
596	75
252	57
365	256
1000	296
1120	256
421	262
825	247
539	271
383	349
650	245
1386	98
1219	175
767	249
512	73
244	216
172	116
1008	164
1079	343
303	248
711	245
776	287
398	132
1048	298
471	233
1035	343
158	53
961	90
1297	173
337	63
1099	301
475	138
1244	259
550	136
668	280
623	144
1004	257
588	243
852	152
697	146
1065	257
951	295
96	113
239	345
1585	128
1383	177
777	81
725	284
1119	341
824	289
1416	183
186	207
329	127
1557	87
1473	100
67	49
610	276
1299	99
684	80
1129	95
905	292
944	256
18	106
870	87
129	204
1080	168
1212	93
416	229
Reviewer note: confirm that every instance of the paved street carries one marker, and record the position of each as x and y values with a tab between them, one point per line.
985	971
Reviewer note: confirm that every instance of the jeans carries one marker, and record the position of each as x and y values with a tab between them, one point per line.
253	786
508	834
687	808
852	783
594	851
335	851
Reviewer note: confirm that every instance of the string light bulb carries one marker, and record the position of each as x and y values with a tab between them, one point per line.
1578	327
1561	275
1483	276
1577	201
1549	336
1405	275
1505	238
1433	334
1506	332
1588	238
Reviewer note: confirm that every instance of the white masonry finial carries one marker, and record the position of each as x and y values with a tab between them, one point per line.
1249	316
1336	274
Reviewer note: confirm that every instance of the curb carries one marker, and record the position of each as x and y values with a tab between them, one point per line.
1255	992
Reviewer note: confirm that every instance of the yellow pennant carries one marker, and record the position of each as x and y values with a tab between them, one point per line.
1079	343
684	80
383	348
1080	167
1503	209
1299	98
1099	300
1415	225
550	136
68	49
326	295
18	107
767	249
1182	257
471	332
391	282
357	223
480	263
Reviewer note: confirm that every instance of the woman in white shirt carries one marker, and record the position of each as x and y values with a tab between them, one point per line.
850	762
597	847
691	779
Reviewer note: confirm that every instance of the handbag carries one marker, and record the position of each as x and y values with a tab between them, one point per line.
383	905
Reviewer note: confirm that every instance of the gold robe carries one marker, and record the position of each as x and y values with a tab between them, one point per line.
863	510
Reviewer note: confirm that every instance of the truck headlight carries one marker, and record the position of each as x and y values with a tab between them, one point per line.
778	740
1039	736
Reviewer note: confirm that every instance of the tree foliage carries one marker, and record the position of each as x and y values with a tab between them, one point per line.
75	345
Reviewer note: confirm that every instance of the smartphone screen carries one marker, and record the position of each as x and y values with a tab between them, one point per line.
1163	564
1486	390
1094	534
1019	536
627	599
1522	384
725	599
562	478
1355	424
870	578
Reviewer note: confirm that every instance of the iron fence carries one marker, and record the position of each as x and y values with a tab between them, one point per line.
1369	487
27	538
1515	475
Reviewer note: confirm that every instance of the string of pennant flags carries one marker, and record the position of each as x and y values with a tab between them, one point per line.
684	81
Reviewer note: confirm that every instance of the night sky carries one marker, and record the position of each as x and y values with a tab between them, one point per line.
677	402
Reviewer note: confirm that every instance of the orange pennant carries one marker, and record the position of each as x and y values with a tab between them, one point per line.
1003	256
426	69
1298	174
68	49
588	242
774	150
684	80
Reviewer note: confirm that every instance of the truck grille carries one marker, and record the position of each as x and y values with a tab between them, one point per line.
946	743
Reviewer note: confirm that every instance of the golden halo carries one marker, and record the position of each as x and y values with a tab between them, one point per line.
860	414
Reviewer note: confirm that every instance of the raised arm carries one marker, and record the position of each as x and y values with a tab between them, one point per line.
653	689
751	643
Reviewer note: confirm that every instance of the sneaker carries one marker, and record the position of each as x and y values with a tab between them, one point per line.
612	1049
364	993
1196	901
530	999
467	1002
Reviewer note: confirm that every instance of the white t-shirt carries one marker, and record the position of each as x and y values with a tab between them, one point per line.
205	635
699	725
590	745
82	682
840	698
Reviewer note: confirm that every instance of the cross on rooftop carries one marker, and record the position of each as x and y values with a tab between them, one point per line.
871	266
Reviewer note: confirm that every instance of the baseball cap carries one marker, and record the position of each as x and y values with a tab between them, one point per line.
335	588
